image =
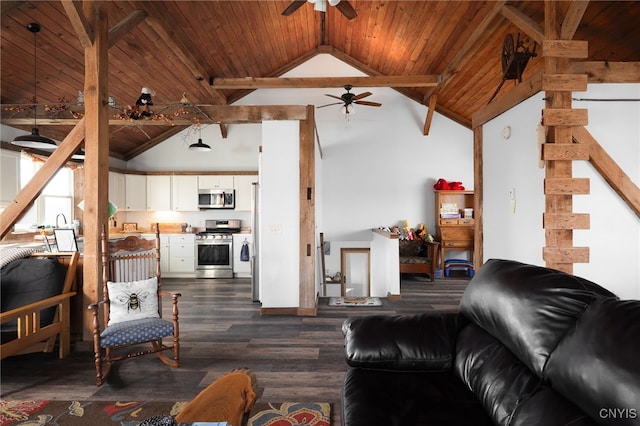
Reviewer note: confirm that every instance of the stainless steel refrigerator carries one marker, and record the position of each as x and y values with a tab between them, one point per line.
255	252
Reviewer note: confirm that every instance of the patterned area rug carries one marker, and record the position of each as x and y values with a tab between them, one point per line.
132	413
355	301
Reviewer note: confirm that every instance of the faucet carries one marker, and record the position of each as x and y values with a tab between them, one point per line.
58	216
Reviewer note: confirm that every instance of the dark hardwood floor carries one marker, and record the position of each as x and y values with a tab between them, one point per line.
294	358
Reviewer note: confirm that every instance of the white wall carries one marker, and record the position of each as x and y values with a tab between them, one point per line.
279	249
614	237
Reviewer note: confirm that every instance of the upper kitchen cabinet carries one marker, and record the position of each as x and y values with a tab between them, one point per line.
135	192
184	193
243	185
215	182
117	189
158	192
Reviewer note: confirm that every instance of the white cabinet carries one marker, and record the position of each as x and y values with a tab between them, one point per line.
135	192
243	184
215	182
164	254
10	185
241	268
117	189
182	255
158	193
184	193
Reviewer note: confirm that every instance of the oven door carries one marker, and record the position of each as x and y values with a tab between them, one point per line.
214	259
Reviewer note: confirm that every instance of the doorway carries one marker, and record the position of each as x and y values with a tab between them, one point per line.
355	267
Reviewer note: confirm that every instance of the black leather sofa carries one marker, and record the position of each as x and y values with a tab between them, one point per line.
529	346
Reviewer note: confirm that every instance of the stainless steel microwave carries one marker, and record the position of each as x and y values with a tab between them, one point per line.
216	199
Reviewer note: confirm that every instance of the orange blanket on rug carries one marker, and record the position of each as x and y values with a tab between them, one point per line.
226	399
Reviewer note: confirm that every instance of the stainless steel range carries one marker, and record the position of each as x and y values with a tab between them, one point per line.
215	249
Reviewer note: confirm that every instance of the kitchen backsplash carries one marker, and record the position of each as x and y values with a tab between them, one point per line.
144	219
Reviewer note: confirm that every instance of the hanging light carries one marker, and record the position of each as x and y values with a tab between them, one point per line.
34	140
200	146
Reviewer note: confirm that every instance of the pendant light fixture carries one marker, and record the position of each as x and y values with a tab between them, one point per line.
34	140
200	146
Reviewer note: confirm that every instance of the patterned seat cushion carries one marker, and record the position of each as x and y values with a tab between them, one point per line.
135	331
413	259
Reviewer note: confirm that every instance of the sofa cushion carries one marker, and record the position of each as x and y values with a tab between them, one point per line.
597	366
528	308
424	342
380	397
30	280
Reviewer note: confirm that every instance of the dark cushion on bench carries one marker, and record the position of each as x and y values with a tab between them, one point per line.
29	280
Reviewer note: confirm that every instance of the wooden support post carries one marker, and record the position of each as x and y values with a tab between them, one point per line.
308	299
559	152
96	163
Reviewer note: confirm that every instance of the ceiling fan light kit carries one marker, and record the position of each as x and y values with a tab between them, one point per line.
35	140
348	101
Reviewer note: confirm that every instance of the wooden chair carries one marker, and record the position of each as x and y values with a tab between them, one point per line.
34	331
131	306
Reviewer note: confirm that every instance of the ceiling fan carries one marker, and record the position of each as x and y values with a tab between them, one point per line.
321	6
348	99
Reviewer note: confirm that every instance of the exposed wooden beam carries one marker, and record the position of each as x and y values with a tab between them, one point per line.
523	22
96	160
228	114
322	82
609	170
608	72
223	130
432	106
78	22
522	92
125	26
307	226
572	18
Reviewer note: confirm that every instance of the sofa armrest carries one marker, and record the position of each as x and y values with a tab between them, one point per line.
423	342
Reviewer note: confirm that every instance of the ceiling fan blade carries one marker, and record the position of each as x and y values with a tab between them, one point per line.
295	5
367	103
335	103
362	95
346	9
332	96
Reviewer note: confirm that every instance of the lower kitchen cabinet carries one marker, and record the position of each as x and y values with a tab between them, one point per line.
178	255
241	268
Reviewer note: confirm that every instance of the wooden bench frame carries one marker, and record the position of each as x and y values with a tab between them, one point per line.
33	338
432	250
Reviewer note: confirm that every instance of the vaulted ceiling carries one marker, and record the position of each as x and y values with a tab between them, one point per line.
453	49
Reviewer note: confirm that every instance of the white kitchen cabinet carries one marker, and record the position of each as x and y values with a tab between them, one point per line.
215	182
10	185
135	192
241	268
243	184
158	193
184	193
182	255
164	254
117	189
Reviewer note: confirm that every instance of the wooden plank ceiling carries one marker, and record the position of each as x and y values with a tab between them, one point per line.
175	47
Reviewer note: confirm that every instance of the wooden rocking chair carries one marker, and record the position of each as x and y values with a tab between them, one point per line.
132	305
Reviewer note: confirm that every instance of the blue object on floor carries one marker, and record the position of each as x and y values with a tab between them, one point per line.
458	263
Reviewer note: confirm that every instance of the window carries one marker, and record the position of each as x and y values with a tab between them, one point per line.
56	197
